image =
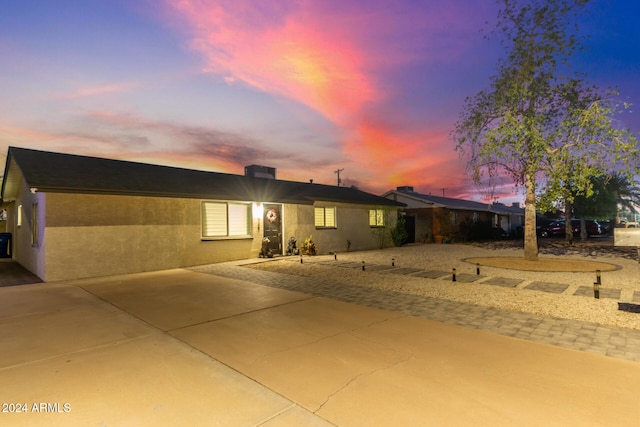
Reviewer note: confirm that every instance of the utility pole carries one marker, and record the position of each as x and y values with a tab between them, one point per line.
338	172
443	192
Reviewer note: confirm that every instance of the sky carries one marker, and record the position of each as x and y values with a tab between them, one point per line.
372	88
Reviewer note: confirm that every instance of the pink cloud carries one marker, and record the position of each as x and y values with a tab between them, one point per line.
334	57
285	51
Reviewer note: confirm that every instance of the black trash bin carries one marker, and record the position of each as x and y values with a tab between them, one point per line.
5	245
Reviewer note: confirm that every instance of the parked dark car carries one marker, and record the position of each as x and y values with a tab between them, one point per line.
557	228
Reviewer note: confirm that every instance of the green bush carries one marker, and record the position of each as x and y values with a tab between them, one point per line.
399	232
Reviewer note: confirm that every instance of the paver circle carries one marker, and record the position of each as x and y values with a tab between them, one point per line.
543	264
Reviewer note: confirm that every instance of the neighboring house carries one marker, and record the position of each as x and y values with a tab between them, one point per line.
510	219
431	218
75	216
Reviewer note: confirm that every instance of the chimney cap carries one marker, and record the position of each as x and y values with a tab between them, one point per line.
258	171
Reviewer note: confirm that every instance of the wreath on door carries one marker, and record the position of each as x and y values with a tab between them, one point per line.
272	216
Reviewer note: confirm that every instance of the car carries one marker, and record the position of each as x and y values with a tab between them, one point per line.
629	224
541	224
557	228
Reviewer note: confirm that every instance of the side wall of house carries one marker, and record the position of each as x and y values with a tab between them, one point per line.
97	235
24	216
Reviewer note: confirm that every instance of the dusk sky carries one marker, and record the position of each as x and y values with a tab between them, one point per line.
308	86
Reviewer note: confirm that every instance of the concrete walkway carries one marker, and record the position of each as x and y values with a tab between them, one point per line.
185	347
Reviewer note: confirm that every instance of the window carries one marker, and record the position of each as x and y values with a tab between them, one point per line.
19	219
221	219
325	217
376	217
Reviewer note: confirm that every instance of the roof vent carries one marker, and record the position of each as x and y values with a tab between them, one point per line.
405	189
257	171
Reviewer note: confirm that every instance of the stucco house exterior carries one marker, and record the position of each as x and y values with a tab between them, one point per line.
431	218
74	216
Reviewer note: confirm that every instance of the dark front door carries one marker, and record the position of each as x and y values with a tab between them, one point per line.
273	227
410	226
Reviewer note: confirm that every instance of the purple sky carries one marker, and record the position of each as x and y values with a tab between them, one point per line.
308	87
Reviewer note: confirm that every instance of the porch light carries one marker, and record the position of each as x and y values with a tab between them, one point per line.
258	210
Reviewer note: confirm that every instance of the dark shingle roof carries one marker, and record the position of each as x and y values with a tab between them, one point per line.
452	203
460	204
57	172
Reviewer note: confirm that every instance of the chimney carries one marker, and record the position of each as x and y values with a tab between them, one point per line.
405	189
257	171
516	205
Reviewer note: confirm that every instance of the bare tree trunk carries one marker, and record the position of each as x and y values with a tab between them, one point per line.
530	236
583	230
568	227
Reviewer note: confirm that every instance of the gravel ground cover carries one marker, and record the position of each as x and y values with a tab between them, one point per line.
572	303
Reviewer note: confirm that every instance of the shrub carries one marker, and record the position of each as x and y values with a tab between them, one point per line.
399	232
308	247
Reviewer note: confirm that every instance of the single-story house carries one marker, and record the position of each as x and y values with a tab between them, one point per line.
432	218
73	216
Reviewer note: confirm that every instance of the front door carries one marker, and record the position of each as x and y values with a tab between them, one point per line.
273	227
410	226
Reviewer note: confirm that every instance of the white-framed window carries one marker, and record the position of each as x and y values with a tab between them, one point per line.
325	217
226	219
376	217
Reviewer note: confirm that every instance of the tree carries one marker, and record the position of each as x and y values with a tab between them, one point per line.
588	149
626	193
610	192
531	124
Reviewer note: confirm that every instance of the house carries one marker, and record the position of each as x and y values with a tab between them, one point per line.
510	219
74	216
432	218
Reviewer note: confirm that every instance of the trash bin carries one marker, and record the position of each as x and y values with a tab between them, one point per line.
5	245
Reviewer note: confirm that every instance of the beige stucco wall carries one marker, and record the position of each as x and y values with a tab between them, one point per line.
352	226
83	235
97	235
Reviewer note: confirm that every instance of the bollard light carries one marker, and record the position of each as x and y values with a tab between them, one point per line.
300	259
362	265
478	269
335	255
596	285
453	276
393	262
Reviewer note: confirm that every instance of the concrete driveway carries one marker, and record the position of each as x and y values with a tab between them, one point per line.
180	347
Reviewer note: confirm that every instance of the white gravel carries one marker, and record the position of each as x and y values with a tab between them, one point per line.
446	257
